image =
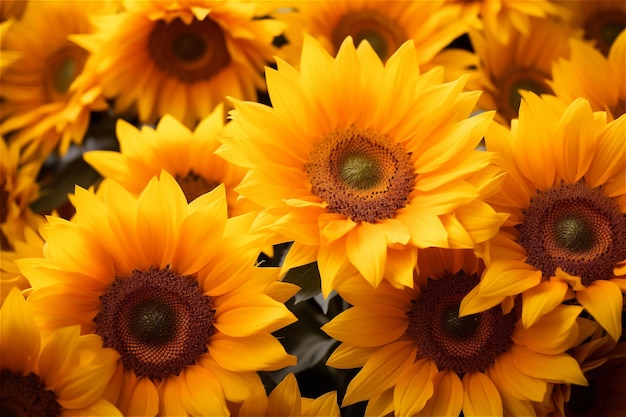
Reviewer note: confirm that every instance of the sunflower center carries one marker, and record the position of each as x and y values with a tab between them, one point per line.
194	185
604	27
575	227
520	80
460	344
158	321
62	69
26	396
383	34
190	53
360	174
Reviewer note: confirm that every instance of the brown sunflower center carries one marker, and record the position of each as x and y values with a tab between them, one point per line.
26	396
62	68
383	34
194	185
190	53
520	80
604	27
575	227
158	321
360	174
460	344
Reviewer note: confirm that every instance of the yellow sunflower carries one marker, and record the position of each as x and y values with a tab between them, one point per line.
172	147
360	163
602	21
523	64
41	105
504	17
587	73
419	358
565	192
10	275
172	287
64	374
386	25
18	189
6	57
181	57
603	361
285	400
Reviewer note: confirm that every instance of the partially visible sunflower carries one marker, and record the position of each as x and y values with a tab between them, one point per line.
181	57
360	163
603	361
172	147
18	189
587	73
419	358
41	106
523	64
10	276
504	17
6	57
173	287
286	400
565	192
386	25
602	21
64	374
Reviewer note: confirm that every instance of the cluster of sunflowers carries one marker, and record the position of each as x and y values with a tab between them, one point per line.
417	208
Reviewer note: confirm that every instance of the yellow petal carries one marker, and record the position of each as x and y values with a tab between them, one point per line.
542	299
261	352
414	387
144	400
372	325
202	393
243	316
448	397
19	335
324	405
603	300
552	334
559	369
481	397
284	400
101	408
366	248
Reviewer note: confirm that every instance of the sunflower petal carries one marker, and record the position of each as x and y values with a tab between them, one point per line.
539	300
481	397
19	336
603	300
414	388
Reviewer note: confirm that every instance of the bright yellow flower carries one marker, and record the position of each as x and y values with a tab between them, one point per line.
361	163
172	287
181	57
524	63
10	276
504	17
603	361
587	73
42	105
602	21
18	189
419	358
62	375
172	147
285	400
386	25
565	192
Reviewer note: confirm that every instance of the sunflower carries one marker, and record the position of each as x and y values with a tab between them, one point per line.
18	189
172	147
523	64
386	25
588	74
419	358
181	57
41	105
361	163
566	195
10	275
601	21
504	17
603	361
285	400
59	375
172	287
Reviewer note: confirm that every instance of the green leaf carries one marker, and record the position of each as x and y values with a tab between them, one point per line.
307	277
